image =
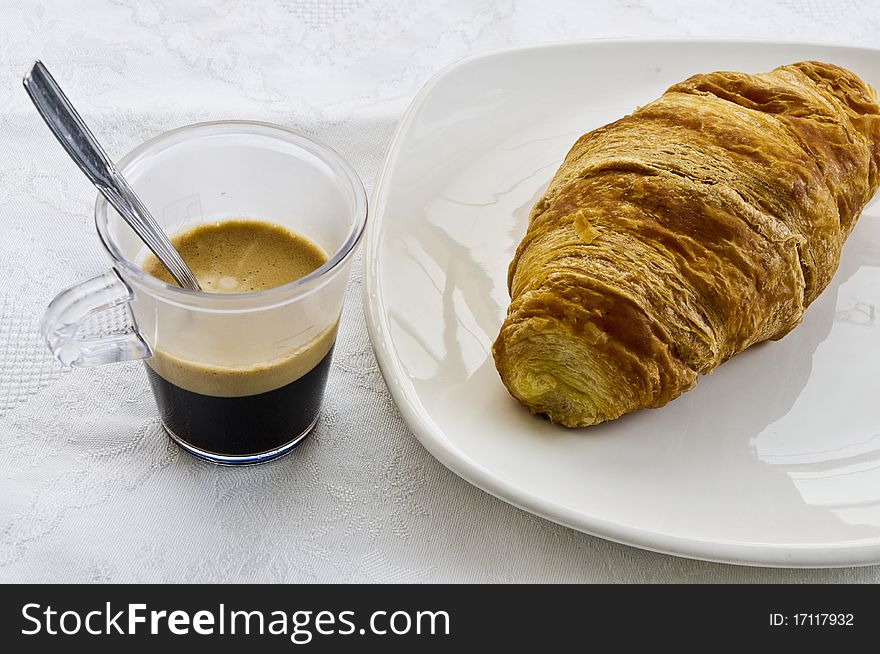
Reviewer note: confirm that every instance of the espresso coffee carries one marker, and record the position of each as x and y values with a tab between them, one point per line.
249	425
213	397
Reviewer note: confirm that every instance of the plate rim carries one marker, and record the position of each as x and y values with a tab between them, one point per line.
430	435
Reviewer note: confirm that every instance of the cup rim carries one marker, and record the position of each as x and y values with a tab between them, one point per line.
285	292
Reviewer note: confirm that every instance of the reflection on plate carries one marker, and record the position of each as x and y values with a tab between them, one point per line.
774	459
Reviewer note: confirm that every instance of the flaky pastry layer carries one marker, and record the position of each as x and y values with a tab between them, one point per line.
680	235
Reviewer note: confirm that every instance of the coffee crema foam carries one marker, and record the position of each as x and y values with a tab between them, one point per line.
240	256
239	381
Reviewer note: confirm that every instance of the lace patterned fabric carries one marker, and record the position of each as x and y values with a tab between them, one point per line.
91	490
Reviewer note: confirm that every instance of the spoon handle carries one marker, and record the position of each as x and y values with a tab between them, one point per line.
76	138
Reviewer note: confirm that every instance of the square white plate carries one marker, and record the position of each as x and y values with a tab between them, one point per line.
774	459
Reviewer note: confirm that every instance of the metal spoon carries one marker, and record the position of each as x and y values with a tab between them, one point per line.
84	149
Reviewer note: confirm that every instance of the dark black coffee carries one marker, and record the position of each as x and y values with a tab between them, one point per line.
246	425
214	401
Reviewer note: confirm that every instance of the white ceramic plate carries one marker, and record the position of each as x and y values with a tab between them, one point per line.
774	459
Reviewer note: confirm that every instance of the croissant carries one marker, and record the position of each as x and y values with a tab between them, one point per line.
672	239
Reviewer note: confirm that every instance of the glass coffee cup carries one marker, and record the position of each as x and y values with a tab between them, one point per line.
238	378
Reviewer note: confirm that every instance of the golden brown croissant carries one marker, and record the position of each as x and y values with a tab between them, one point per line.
678	236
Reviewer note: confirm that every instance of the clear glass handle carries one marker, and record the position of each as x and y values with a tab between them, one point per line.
91	324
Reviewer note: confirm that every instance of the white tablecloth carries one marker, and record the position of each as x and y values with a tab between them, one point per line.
90	488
